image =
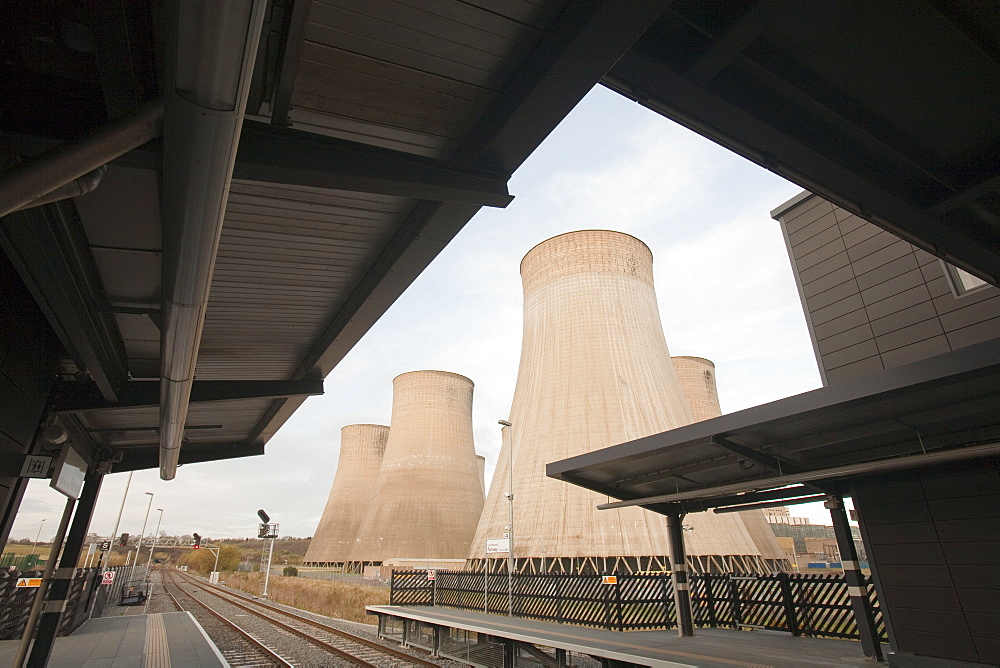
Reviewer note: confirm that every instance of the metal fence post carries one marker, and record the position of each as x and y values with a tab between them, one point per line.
789	601
734	597
618	605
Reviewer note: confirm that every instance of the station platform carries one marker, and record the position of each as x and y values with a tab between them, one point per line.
132	641
708	648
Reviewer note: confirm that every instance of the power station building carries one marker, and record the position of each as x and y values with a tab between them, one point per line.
595	370
428	494
361	450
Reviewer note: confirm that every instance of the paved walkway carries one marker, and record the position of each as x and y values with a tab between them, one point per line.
708	648
171	639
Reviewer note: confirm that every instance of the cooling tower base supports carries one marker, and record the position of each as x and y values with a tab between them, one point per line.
679	575
738	564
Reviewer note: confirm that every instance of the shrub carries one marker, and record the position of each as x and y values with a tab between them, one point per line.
290	571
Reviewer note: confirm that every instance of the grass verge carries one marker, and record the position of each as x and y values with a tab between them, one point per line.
334	599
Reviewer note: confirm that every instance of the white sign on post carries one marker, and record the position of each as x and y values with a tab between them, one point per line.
497	545
70	471
109	577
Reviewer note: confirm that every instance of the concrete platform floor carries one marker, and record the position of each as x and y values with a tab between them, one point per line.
709	648
132	641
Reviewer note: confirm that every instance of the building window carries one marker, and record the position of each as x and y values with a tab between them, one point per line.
961	281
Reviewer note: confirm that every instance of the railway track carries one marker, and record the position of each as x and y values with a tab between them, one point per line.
238	646
345	648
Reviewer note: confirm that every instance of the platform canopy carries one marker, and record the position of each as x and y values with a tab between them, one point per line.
317	155
361	137
937	410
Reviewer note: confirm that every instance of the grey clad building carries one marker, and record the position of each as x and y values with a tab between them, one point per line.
874	301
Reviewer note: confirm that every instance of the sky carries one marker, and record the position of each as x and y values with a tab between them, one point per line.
611	164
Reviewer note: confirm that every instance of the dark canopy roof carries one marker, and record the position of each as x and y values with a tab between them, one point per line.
939	409
375	130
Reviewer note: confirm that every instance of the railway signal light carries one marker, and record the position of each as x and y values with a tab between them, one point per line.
123	541
264	517
197	541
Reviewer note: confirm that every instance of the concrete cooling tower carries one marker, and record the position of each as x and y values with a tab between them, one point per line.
697	377
361	448
428	495
595	371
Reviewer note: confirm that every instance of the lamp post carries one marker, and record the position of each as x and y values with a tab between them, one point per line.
510	518
40	525
156	539
138	546
114	532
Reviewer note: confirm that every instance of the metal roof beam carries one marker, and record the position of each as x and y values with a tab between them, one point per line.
677	97
48	246
770	461
274	154
77	397
586	41
148	457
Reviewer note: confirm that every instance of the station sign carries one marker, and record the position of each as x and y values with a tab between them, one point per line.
497	545
109	577
29	582
105	546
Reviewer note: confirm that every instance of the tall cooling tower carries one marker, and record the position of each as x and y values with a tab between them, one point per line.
594	371
428	495
697	377
361	448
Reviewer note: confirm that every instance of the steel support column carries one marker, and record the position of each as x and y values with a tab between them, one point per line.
679	576
59	590
856	587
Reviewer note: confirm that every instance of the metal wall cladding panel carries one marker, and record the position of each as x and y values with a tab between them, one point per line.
285	261
361	450
826	243
837	309
414	76
808	232
873	244
838	325
913	352
808	211
967	336
844	339
890	270
835	279
910	334
896	320
906	281
841	291
595	370
820	269
880	258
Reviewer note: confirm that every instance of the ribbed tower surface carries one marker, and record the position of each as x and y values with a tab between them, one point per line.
428	495
361	449
595	371
697	377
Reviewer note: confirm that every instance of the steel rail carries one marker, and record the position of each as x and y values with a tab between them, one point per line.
225	596
267	651
345	634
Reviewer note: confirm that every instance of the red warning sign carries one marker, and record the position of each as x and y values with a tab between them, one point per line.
109	577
